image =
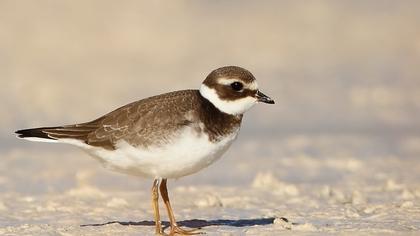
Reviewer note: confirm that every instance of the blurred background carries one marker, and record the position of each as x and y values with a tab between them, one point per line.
345	76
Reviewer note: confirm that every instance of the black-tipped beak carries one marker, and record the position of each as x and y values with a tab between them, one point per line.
264	98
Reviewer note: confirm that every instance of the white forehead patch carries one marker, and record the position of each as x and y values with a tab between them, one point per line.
227	81
235	107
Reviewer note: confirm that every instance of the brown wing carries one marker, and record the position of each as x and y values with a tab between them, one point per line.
146	122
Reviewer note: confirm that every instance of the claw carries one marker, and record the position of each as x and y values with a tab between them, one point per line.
176	230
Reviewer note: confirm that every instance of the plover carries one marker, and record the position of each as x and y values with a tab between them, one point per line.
166	136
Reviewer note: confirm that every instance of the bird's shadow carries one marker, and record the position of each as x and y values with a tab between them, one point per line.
196	223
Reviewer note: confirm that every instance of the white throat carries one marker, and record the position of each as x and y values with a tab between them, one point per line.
235	107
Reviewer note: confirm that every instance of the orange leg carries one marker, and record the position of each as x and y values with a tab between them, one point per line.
175	229
155	204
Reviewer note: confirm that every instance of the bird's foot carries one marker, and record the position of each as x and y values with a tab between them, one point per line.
176	230
159	232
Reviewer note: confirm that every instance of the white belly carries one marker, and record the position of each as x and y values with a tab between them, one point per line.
187	154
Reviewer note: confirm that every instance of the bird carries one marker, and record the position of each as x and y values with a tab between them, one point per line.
166	136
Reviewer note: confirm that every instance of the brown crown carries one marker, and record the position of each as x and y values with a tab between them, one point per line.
230	72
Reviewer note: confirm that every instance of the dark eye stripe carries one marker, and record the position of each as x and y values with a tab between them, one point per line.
237	86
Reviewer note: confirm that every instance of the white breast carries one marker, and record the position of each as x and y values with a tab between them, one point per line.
188	153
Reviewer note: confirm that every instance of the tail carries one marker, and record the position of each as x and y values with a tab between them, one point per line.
54	134
36	134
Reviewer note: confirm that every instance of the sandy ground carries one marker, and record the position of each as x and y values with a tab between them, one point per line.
293	185
337	154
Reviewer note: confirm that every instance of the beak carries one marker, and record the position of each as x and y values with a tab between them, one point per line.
264	98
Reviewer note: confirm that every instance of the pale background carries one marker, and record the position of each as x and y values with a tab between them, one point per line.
345	76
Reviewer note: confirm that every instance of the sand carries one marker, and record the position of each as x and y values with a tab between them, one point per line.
294	185
337	154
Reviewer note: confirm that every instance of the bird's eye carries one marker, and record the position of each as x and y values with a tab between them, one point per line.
237	86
